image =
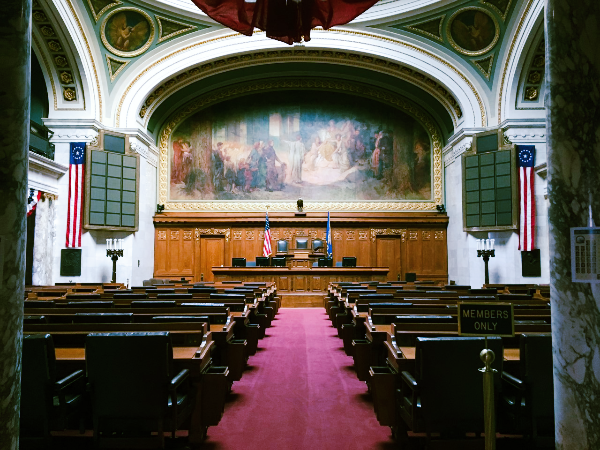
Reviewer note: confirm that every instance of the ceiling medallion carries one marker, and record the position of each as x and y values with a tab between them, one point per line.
472	31
127	32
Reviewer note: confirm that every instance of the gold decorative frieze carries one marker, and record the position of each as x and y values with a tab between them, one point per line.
439	235
313	234
337	235
387	232
261	236
426	235
199	232
363	235
161	235
187	235
237	235
287	235
350	235
275	234
174	235
249	235
413	235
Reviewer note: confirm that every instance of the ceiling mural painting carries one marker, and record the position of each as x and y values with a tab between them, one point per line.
128	31
473	31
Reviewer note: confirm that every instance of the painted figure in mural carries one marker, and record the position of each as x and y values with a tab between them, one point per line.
311	157
177	158
268	153
253	163
473	30
297	151
125	37
340	155
186	161
376	155
217	165
230	175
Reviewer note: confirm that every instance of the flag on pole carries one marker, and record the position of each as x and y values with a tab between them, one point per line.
267	242
75	201
526	157
32	200
328	238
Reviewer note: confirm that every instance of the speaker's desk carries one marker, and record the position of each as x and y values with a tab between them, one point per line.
300	286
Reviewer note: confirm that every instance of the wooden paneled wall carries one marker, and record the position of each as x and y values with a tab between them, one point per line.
187	244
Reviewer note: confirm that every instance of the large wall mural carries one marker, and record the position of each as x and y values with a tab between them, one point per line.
276	147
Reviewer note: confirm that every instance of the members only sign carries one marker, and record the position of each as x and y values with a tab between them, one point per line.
485	319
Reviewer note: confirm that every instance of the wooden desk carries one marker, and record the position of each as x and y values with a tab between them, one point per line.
78	354
301	286
510	354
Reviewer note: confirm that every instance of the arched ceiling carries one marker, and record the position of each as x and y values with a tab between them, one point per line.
413	50
296	70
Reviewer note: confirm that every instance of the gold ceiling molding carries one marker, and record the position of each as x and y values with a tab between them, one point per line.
55	57
156	63
485	65
210	68
87	46
48	68
440	21
335	30
217	96
509	56
494	5
103	5
115	66
185	27
429	54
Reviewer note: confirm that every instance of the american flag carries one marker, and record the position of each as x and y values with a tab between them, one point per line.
526	156
76	184
32	200
267	243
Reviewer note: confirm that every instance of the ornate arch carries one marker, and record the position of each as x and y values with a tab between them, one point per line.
185	65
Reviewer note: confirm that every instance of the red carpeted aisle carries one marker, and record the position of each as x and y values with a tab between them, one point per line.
300	392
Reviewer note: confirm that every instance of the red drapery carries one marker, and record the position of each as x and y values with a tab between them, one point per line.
288	21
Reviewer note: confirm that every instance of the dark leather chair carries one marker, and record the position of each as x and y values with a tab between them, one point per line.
528	401
445	393
282	246
133	388
47	403
318	246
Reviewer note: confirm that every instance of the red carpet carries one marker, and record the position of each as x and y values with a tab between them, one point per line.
300	392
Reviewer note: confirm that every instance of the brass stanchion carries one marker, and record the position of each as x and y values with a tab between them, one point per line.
489	416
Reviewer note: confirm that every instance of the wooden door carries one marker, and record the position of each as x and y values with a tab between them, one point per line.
388	255
212	253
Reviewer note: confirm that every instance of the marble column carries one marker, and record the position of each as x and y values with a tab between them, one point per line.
43	241
573	139
15	48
